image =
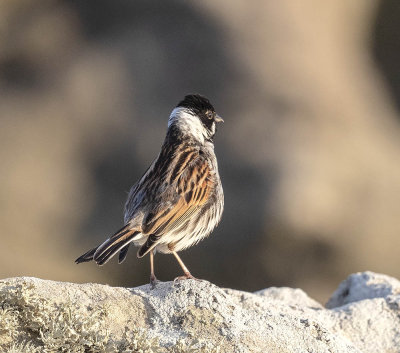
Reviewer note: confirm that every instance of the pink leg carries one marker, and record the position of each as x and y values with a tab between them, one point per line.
184	268
153	279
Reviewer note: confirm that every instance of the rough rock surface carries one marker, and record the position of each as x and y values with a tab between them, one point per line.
196	316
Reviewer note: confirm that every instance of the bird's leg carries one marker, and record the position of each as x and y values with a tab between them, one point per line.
184	268
153	279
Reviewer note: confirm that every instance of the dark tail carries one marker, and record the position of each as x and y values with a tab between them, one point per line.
104	252
149	245
88	256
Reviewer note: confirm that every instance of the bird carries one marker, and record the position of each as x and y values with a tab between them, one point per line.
179	200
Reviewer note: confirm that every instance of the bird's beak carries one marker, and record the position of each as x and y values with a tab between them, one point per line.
218	119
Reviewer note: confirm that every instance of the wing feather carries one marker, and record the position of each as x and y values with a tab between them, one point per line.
192	186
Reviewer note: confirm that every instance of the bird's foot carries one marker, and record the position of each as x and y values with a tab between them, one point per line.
153	281
187	275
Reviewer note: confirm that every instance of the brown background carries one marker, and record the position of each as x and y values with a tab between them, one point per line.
309	152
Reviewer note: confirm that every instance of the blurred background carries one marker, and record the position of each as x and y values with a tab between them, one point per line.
308	155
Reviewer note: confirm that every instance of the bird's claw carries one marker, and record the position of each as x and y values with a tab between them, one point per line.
153	282
187	275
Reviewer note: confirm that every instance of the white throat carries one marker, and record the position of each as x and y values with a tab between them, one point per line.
189	124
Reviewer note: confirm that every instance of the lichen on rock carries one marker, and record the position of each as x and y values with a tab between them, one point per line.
197	316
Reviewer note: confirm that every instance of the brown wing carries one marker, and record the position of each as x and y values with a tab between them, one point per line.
192	187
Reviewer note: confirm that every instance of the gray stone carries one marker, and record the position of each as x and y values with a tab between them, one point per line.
197	316
361	286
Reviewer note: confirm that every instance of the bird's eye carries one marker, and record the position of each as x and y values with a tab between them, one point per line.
210	115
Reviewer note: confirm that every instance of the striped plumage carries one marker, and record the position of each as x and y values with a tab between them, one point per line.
179	199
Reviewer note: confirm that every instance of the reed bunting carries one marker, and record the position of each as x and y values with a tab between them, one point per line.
179	199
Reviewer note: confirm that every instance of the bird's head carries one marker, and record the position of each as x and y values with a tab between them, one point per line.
196	116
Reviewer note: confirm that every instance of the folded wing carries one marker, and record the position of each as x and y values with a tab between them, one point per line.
192	182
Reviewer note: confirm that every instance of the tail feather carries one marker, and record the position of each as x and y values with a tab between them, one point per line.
101	256
111	240
122	253
88	256
149	245
105	251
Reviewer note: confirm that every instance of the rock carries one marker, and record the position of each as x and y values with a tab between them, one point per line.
197	316
361	286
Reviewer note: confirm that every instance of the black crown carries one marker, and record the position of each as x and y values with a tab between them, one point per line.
196	103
